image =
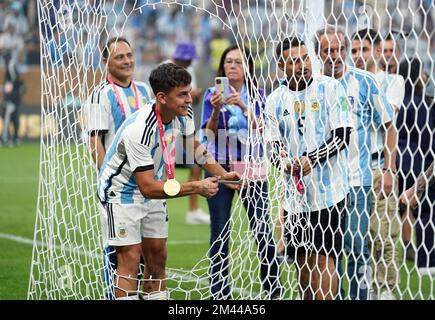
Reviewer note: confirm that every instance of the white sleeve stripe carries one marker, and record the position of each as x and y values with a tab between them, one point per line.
327	147
97	92
334	143
148	132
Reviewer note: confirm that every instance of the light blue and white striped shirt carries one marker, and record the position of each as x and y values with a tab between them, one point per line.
393	86
136	146
303	122
370	110
103	112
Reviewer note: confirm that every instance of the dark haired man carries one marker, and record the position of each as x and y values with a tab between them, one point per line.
138	174
384	222
308	118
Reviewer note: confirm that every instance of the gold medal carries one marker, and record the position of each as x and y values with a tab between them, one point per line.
171	187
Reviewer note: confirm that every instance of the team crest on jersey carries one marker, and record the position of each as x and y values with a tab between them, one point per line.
122	231
344	103
315	106
131	101
299	106
168	138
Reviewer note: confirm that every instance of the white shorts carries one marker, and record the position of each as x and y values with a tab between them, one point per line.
103	221
127	224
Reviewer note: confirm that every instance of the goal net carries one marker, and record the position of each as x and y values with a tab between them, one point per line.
68	259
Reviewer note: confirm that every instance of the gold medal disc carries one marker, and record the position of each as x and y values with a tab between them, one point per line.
171	187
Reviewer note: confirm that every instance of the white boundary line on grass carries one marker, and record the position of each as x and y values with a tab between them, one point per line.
21	239
18	180
171	272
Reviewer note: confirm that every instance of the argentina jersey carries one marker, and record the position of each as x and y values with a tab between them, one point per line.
393	86
136	147
303	121
370	111
104	113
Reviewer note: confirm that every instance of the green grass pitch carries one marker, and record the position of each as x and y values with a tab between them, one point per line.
19	169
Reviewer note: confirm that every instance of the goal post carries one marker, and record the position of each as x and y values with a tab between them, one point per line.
68	260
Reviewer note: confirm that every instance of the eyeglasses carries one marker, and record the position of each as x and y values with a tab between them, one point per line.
238	62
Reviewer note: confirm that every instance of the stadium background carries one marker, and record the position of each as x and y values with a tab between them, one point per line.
153	34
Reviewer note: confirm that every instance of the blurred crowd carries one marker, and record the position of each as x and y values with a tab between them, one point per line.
72	32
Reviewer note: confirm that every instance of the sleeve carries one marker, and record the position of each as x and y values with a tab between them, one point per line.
97	112
381	108
396	91
188	124
138	154
145	91
271	129
340	110
207	107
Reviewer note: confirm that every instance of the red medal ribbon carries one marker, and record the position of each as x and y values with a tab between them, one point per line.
169	159
118	97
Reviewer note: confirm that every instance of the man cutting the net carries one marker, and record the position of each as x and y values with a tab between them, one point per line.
138	174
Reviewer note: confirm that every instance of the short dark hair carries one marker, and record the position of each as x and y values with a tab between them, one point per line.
105	52
168	76
367	34
286	44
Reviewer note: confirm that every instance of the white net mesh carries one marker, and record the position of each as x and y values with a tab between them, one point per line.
68	252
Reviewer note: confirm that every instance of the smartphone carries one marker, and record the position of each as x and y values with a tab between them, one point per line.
223	87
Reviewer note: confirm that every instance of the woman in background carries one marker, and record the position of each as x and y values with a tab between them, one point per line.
226	126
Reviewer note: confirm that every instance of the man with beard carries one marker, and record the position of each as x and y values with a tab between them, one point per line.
308	119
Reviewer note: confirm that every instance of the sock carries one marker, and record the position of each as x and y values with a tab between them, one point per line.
135	297
158	295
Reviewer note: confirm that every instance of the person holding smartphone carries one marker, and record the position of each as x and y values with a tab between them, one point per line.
227	115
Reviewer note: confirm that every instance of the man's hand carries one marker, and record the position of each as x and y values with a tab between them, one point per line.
299	164
410	198
385	184
209	187
233	176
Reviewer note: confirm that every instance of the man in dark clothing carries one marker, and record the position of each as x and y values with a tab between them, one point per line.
416	150
12	92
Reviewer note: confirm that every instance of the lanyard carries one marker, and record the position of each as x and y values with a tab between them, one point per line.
169	158
118	97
